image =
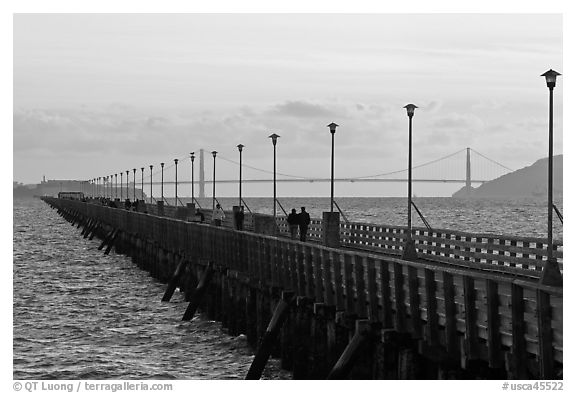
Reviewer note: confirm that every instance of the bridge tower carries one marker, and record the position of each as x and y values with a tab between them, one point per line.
468	176
202	193
468	173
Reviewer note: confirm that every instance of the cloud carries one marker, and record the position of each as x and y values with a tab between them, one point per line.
302	109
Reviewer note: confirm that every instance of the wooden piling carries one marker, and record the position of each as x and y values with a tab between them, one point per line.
270	335
345	362
174	280
198	293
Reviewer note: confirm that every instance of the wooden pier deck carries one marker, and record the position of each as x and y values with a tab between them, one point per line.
476	313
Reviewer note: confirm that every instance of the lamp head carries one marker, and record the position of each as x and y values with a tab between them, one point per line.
274	138
192	156
151	166
240	147
550	76
332	127
410	109
214	153
162	164
176	161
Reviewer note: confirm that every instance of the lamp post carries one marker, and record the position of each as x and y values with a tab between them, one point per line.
409	248
274	139
192	176
116	186
551	273
128	184
214	182
176	183
240	147
134	184
121	186
332	131
162	183
151	166
142	184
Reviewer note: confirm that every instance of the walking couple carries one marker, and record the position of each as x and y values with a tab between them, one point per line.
299	221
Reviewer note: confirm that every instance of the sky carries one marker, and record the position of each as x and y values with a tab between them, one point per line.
99	94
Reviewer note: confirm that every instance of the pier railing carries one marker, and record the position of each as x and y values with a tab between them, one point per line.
488	251
458	314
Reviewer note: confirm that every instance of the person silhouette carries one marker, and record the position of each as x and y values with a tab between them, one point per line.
303	222
293	224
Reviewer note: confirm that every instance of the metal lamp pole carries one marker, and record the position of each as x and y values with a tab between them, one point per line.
214	182
176	182
332	131
134	185
121	186
274	140
142	184
240	147
151	166
162	183
409	249
128	184
551	273
192	176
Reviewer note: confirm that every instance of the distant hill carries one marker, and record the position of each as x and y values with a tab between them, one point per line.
528	182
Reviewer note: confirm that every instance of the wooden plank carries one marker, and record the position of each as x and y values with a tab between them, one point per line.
338	281
545	338
386	295
309	272
318	288
518	330
414	298
372	290
327	277
273	261
361	309
431	332
471	333
493	325
400	317
302	287
349	284
293	261
450	313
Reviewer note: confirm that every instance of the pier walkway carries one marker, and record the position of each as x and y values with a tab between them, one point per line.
473	309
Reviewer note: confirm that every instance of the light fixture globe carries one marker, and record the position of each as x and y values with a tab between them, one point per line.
410	109
274	138
332	127
550	76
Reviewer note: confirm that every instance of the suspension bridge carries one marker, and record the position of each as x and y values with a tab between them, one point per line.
466	166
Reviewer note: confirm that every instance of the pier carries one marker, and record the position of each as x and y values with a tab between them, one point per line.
345	304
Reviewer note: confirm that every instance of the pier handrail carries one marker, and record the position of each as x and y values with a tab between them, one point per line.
194	199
